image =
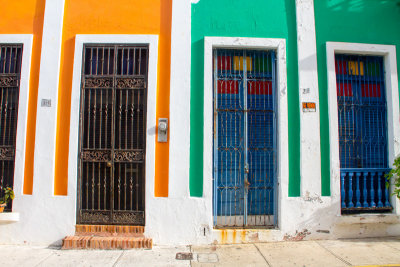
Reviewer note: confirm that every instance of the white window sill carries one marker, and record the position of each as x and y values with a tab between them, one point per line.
9	217
368	219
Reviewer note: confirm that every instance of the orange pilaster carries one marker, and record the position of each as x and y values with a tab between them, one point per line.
26	17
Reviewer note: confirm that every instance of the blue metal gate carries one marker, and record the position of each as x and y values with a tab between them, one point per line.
244	138
363	146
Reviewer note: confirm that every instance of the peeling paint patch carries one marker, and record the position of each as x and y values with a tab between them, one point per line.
254	237
298	236
313	199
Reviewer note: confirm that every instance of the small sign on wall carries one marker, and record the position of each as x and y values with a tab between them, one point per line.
46	103
309	107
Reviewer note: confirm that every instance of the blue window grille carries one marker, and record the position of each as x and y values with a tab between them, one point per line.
244	138
363	147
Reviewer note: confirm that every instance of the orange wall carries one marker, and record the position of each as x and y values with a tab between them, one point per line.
113	17
26	17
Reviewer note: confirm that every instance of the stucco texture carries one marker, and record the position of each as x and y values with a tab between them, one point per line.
353	21
241	18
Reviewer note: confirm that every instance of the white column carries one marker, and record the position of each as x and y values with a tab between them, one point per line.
308	81
180	99
46	120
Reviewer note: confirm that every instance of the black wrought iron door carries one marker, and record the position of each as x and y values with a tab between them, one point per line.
10	71
113	135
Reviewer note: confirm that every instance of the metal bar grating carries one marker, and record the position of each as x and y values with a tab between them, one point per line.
10	71
112	134
362	118
244	138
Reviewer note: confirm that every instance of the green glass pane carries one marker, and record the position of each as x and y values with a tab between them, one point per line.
373	69
263	64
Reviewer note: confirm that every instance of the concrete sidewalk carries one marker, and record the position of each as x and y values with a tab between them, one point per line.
349	252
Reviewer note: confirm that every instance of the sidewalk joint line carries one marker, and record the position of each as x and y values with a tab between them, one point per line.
119	257
389	246
259	251
336	256
51	254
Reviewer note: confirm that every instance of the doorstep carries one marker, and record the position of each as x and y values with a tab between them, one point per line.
107	237
9	217
368	219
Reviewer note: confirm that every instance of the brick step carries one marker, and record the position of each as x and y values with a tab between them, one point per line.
105	234
113	229
106	242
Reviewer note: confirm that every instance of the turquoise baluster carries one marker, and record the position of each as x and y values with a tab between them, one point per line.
342	190
358	193
371	191
365	192
380	204
351	204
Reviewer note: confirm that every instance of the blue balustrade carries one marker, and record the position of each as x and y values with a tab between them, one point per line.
364	189
358	193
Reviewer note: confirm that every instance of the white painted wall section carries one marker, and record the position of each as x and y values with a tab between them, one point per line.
179	141
46	120
310	161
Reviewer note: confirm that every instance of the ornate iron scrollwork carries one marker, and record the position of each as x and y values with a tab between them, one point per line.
113	134
7	153
129	156
95	216
95	155
98	82
136	218
130	83
9	81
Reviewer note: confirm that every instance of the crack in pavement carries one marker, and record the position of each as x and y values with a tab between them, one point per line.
336	256
259	251
119	257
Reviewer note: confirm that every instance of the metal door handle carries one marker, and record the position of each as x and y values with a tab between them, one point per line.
109	164
246	183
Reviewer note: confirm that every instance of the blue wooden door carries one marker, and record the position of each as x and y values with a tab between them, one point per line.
244	138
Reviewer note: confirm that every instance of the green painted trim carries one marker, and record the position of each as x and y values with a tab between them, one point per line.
196	115
259	18
293	102
324	125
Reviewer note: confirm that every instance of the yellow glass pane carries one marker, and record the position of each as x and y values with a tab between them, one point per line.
354	70
238	63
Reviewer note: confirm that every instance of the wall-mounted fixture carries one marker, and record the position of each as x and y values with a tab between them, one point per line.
162	130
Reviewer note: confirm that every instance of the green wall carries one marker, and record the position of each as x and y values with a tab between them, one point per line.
357	21
242	18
